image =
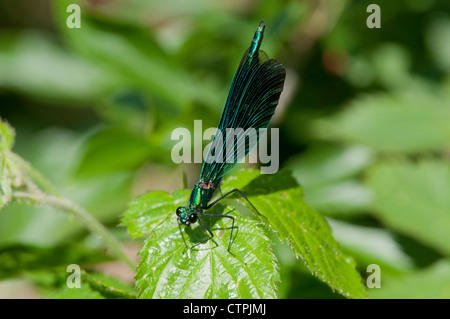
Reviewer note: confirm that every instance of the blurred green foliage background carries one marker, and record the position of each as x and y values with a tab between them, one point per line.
364	124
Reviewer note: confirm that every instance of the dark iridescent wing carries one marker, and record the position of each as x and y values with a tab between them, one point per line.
252	99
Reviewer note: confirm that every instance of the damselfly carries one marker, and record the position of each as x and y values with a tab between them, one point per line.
252	99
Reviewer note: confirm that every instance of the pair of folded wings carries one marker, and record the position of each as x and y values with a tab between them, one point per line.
252	99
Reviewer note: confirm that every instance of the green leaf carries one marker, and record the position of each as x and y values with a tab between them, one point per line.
112	150
437	32
7	135
26	57
372	245
328	174
412	198
148	211
325	164
391	64
209	271
398	122
346	198
166	270
5	184
279	198
430	283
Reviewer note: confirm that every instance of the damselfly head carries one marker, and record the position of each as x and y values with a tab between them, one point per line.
186	216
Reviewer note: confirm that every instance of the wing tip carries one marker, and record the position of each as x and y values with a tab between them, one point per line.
261	25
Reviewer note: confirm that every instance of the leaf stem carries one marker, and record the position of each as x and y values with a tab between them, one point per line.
36	175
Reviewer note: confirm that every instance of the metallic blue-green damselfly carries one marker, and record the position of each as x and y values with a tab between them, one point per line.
252	99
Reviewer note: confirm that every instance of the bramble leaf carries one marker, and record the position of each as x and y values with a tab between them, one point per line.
7	135
167	270
279	198
432	282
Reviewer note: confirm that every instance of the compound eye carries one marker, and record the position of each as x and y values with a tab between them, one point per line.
178	211
193	218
